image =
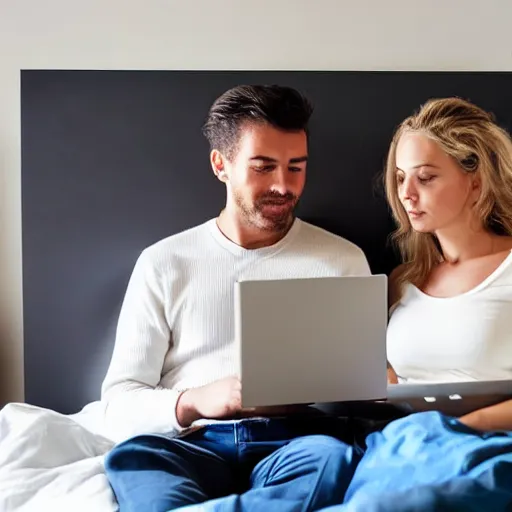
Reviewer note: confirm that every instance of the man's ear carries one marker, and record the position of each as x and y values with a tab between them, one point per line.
218	165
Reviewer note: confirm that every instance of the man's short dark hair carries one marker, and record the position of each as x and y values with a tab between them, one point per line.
282	107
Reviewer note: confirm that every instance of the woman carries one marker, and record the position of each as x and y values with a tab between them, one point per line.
449	184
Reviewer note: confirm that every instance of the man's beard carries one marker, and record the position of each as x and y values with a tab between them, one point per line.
260	215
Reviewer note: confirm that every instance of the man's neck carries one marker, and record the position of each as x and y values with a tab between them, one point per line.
247	235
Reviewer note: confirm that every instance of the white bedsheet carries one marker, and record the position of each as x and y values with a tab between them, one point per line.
53	462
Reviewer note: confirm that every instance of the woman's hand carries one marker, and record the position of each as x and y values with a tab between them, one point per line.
493	418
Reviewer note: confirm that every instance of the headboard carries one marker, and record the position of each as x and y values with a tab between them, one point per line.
113	161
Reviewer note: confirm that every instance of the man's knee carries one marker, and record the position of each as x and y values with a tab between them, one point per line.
334	460
320	445
318	469
317	453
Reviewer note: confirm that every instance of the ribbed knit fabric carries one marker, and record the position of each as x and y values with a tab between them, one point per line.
176	326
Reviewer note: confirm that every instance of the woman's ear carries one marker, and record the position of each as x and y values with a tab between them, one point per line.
476	187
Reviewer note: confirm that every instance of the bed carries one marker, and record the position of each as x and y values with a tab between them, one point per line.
113	161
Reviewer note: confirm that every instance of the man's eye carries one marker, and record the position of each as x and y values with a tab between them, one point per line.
295	169
263	168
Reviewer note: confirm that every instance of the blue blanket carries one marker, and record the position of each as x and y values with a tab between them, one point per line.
431	462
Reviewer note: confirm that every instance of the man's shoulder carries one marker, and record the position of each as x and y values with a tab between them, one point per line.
340	252
317	235
174	245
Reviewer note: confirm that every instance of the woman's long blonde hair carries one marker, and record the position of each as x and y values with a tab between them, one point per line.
471	136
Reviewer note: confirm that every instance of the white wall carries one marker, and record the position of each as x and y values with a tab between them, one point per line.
221	34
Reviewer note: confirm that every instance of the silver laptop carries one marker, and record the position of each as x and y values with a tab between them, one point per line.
311	340
453	398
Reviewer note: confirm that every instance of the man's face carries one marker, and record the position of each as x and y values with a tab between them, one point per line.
266	176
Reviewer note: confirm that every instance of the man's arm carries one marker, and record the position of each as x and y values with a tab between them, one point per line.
134	401
494	417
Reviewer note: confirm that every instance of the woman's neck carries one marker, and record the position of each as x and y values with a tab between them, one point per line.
459	245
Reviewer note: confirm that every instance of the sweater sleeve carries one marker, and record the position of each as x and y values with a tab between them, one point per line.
134	402
356	263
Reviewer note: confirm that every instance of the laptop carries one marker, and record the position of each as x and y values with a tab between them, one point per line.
452	398
322	342
310	340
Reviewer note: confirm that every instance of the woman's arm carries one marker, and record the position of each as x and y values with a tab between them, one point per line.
392	376
494	417
393	294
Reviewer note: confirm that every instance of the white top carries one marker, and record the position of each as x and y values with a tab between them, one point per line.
176	326
462	338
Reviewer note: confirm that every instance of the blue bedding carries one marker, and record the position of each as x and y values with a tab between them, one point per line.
430	462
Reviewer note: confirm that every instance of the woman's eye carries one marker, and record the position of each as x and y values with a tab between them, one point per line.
426	179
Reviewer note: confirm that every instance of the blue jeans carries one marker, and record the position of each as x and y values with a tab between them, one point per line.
257	464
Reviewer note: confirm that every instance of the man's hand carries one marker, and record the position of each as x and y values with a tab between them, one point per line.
221	399
277	410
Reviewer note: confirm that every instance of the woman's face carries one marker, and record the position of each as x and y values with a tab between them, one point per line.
434	191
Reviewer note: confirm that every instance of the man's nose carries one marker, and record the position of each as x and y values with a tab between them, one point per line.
280	183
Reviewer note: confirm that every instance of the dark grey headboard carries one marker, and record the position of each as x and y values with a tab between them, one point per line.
113	161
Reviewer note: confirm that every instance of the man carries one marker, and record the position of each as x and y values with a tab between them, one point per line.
173	380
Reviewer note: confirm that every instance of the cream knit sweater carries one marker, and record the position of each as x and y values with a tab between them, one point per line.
176	327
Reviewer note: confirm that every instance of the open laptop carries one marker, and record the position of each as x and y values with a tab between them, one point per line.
311	340
322	341
453	398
